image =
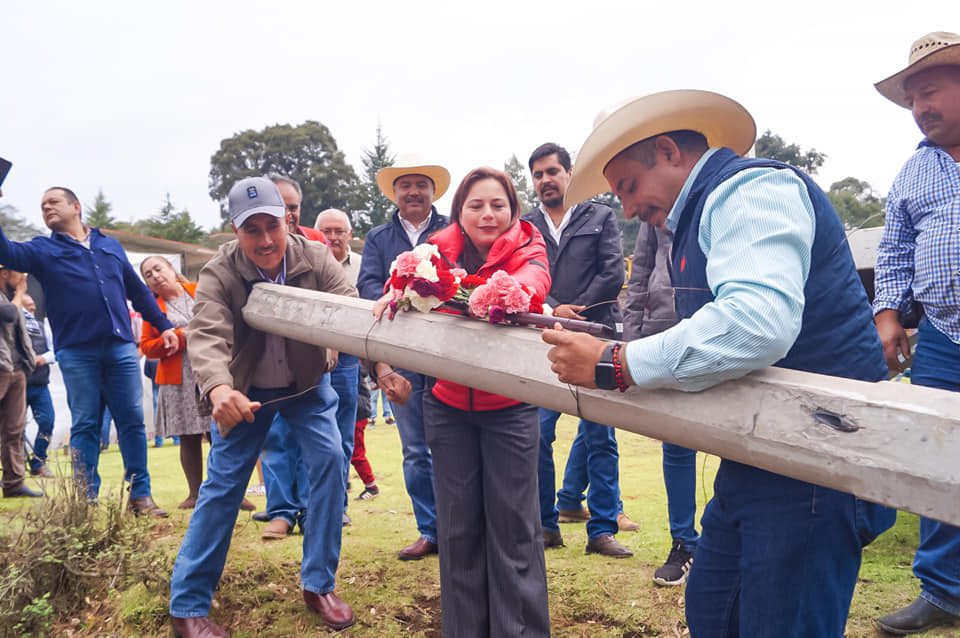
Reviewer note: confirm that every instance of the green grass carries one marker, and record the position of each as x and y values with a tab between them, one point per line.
589	595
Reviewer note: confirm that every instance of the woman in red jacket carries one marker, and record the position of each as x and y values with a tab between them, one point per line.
177	413
492	574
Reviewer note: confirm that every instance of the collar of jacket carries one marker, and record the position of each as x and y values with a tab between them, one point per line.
450	242
297	263
434	218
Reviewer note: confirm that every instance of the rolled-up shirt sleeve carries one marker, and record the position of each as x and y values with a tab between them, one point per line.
757	232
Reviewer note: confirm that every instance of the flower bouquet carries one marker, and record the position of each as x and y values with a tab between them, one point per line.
421	279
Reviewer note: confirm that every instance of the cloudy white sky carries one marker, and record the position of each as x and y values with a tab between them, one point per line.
135	98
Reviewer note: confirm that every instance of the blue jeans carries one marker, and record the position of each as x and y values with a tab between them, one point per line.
109	371
38	398
379	396
231	461
595	460
777	557
680	481
936	364
345	379
417	462
284	473
105	420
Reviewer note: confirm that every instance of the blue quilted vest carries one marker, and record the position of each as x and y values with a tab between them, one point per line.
837	335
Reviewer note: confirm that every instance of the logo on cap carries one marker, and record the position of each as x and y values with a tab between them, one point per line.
252	192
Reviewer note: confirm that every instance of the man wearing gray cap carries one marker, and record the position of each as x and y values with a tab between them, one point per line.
245	378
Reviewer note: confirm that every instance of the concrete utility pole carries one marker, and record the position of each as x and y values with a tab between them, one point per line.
890	443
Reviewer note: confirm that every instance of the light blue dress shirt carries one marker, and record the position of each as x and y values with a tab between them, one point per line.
757	231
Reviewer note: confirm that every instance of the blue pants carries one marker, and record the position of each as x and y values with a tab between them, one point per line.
680	481
417	462
107	371
594	460
777	557
936	364
375	396
231	461
345	379
284	473
38	398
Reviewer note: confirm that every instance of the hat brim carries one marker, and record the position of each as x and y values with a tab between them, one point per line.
273	211
437	174
724	122
892	87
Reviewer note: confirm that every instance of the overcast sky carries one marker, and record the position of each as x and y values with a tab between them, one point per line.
136	98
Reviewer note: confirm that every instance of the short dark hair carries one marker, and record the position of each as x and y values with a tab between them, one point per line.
545	150
645	150
69	194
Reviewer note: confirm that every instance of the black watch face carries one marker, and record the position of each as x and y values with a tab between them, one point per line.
604	376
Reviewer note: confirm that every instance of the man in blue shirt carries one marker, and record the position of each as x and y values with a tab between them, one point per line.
88	281
917	262
758	281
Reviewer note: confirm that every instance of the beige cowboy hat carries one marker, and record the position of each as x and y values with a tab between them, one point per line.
939	48
413	164
721	120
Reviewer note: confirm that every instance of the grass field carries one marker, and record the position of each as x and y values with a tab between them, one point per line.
589	595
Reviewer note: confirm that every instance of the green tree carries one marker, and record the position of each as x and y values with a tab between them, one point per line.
376	207
857	203
773	146
170	224
308	153
629	228
98	215
518	173
16	227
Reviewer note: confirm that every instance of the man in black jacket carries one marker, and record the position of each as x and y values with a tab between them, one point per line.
586	266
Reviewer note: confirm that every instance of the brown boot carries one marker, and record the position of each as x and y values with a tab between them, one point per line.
607	545
417	549
276	529
146	507
199	627
335	613
246	505
581	515
188	503
625	524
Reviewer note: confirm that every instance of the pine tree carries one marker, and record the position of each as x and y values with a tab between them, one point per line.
98	215
377	207
169	224
518	173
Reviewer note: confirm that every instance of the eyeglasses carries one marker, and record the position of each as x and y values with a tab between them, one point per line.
333	232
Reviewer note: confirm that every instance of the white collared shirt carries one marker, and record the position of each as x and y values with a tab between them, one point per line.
413	232
557	231
351	266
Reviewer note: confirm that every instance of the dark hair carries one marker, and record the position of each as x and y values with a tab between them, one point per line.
545	150
471	257
69	194
645	151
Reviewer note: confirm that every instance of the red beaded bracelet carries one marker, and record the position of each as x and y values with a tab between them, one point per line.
618	369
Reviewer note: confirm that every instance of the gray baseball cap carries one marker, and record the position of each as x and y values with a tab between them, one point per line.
254	195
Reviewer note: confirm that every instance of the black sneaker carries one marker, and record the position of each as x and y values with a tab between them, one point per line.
368	493
675	570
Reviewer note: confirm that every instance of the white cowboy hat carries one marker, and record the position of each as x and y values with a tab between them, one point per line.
413	164
721	120
939	48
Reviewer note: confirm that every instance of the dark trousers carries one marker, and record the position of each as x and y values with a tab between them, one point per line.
13	411
38	398
777	557
493	579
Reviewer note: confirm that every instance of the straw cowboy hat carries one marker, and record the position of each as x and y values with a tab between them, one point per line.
721	120
413	164
939	48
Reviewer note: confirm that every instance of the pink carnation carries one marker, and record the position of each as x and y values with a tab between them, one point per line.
516	300
407	263
459	273
482	298
503	282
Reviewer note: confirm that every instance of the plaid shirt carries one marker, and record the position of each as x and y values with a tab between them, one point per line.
919	254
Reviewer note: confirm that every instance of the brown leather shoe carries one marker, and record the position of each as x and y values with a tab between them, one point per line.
247	505
625	524
417	549
276	529
188	503
552	539
581	515
200	627
146	507
607	545
335	613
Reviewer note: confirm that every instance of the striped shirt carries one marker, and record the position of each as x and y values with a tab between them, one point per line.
919	254
757	232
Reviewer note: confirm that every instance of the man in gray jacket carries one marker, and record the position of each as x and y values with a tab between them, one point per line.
246	377
649	310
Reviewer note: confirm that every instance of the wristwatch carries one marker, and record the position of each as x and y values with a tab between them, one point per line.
604	372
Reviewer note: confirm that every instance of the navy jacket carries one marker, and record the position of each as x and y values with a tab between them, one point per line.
587	265
837	335
382	246
86	290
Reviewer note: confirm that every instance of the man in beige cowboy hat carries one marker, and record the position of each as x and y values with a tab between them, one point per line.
917	264
758	281
413	184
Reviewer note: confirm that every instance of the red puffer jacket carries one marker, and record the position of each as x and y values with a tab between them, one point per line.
520	252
